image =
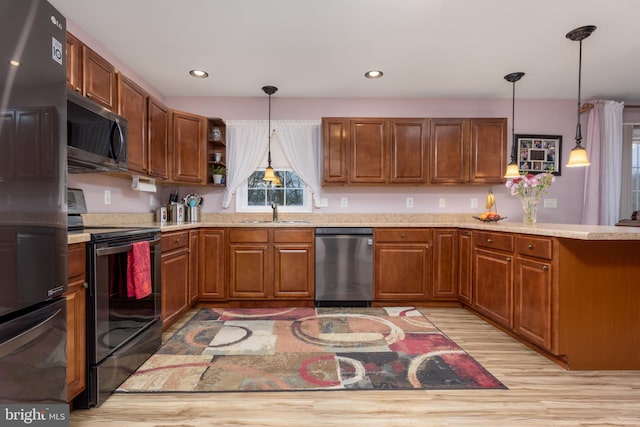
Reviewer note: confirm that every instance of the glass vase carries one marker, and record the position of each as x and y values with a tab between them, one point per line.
530	209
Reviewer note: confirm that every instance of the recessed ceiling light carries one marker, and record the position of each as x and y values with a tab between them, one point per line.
201	74
14	62
373	74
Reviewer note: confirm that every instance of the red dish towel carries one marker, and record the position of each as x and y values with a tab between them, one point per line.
139	271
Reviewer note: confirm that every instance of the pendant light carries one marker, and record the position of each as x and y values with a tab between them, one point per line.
513	171
269	174
578	156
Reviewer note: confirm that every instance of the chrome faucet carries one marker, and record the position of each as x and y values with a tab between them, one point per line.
274	206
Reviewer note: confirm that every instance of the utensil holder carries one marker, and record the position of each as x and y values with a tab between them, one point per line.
193	213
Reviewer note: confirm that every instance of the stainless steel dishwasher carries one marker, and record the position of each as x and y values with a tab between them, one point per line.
344	266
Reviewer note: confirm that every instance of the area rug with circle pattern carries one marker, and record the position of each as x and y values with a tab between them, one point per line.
306	348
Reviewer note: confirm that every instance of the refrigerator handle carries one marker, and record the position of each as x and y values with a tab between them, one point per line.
27	336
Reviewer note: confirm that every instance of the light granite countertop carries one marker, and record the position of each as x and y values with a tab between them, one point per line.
464	221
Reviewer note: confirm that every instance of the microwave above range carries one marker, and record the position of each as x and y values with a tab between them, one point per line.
96	137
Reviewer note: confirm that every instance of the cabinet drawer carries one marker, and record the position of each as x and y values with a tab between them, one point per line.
76	262
174	241
403	235
500	241
293	235
248	235
538	247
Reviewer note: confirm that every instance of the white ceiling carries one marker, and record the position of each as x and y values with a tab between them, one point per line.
322	48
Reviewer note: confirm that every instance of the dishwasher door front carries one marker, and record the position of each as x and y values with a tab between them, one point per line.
344	269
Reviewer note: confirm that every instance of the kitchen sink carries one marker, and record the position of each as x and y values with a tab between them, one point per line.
253	221
293	222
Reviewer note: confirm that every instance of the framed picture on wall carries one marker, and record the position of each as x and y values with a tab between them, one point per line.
539	153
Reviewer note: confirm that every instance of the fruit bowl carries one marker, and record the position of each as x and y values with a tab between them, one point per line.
490	219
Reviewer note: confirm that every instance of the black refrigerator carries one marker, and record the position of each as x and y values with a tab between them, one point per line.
33	220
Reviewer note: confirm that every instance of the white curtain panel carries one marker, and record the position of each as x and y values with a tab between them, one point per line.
603	180
247	143
300	142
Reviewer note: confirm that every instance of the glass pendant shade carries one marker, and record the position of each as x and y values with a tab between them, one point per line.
269	175
578	157
512	171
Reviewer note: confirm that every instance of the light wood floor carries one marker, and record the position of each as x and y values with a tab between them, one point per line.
540	394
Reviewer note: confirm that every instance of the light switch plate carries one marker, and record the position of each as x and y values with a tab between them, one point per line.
344	202
323	202
441	202
107	197
474	203
409	202
550	203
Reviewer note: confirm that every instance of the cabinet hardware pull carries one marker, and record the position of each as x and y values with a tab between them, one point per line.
508	258
545	267
489	241
85	285
530	246
177	241
402	235
427	246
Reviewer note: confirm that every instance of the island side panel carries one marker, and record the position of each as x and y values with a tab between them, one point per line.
599	303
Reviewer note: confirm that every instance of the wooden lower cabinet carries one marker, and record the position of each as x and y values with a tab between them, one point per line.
175	276
532	294
271	263
212	272
194	266
465	267
403	260
76	320
445	263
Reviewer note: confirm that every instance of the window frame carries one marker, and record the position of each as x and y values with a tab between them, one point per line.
242	196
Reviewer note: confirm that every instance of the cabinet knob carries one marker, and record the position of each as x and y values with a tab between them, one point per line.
427	246
77	89
545	267
85	285
402	235
508	259
530	246
489	241
177	240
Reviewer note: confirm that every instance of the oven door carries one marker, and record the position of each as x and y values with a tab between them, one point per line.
116	318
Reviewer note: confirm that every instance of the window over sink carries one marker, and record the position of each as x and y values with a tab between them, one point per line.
257	195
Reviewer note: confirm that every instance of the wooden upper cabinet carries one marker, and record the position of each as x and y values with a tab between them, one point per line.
132	105
369	151
488	150
74	63
449	151
335	153
409	139
98	79
157	139
189	151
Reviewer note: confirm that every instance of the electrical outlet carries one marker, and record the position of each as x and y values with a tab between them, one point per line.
441	202
474	203
550	203
323	202
152	200
344	202
409	202
107	197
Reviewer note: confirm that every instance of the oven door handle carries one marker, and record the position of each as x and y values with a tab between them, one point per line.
120	249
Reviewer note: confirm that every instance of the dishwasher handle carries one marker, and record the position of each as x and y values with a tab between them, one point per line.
349	231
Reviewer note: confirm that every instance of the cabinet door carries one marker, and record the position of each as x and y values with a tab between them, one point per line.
76	321
293	270
212	265
369	151
158	139
449	151
465	267
409	139
194	267
99	79
493	286
335	151
533	301
188	148
488	150
402	271
445	258
249	273
74	63
132	105
175	279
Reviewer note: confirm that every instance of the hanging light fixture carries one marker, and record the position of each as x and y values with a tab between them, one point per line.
513	171
578	156
269	174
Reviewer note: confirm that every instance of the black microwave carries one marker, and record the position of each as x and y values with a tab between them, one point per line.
96	137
